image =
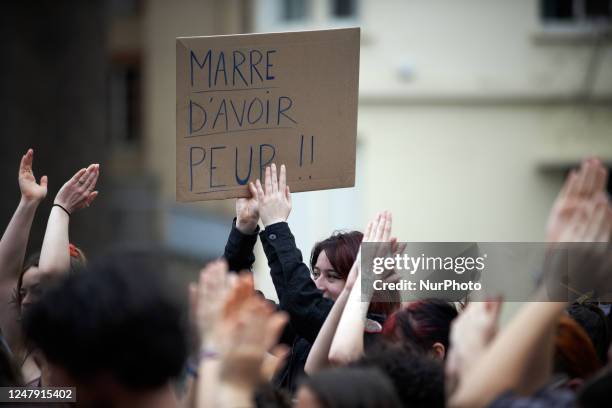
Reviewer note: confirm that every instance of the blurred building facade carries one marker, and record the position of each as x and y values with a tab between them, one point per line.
470	114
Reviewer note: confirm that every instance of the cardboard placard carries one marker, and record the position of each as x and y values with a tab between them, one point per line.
246	101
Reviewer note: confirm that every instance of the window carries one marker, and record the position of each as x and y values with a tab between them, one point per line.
124	100
576	11
343	8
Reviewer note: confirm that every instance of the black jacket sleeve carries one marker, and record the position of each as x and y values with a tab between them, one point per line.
297	293
239	249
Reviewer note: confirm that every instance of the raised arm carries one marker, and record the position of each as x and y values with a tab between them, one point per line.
297	293
237	329
243	235
15	239
347	344
528	334
318	356
76	193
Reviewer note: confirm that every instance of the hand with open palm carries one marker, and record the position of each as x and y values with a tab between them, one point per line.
31	190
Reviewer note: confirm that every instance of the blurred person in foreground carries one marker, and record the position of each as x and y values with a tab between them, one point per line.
513	368
117	331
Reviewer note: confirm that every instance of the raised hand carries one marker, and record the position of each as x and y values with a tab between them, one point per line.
583	265
470	335
249	328
378	233
247	212
78	192
275	201
210	295
580	186
30	189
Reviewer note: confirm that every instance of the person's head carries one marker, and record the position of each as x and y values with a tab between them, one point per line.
118	325
32	281
348	387
574	353
594	322
331	261
418	378
425	324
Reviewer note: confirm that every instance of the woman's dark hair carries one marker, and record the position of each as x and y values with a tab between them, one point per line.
418	378
341	249
353	387
594	322
422	323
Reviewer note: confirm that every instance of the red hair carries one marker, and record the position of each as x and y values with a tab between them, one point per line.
574	352
421	323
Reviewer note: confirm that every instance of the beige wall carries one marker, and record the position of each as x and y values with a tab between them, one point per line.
489	48
462	104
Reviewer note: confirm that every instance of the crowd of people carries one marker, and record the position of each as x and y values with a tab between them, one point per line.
126	334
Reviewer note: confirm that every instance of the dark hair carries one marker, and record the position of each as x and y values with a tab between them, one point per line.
353	387
418	378
422	323
341	249
121	317
594	322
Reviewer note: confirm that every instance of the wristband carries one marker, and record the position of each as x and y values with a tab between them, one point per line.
65	210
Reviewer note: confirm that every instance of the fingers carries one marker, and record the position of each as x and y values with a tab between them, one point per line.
259	190
91	177
571	184
253	190
282	181
44	181
288	195
268	181
591	176
26	161
583	178
599	229
273	361
401	248
387	227
274	179
393	242
274	328
380	228
368	231
77	176
373	226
